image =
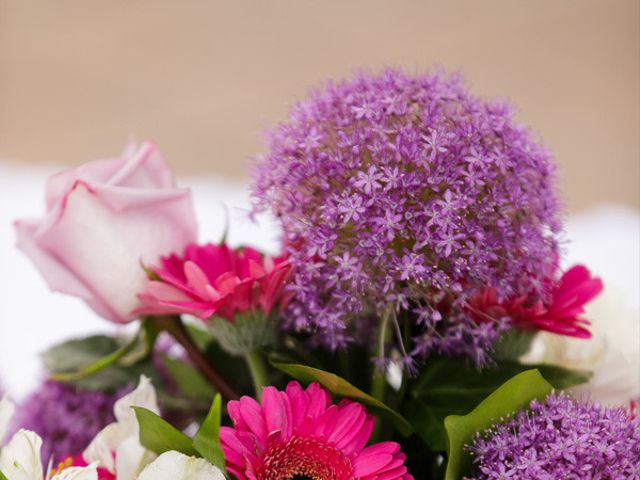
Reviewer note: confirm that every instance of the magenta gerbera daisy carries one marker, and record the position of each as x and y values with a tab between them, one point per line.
300	433
216	280
561	314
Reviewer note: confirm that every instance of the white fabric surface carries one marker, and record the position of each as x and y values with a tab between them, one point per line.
606	239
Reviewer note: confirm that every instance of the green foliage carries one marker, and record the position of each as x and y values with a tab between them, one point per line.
513	344
452	387
188	379
340	387
512	396
207	439
248	332
201	336
96	363
230	367
159	436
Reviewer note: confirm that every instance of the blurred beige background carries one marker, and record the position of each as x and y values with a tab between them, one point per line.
203	78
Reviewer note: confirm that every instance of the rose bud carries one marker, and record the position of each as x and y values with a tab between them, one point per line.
102	220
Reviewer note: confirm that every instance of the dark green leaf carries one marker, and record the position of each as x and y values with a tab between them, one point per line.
513	344
512	396
230	367
207	440
159	436
72	356
339	386
3	476
188	379
452	387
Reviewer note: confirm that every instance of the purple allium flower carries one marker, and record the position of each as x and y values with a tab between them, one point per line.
66	417
398	192
560	438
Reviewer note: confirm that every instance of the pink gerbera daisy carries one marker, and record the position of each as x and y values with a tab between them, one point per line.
216	280
301	434
562	314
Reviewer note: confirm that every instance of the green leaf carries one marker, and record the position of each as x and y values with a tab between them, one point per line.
203	337
207	440
512	396
339	386
96	366
188	379
145	342
159	436
74	355
513	344
452	387
3	476
100	362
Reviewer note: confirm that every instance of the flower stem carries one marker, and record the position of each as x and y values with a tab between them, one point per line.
175	327
379	386
379	380
258	371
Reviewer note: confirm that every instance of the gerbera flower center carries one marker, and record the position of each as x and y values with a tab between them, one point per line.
305	459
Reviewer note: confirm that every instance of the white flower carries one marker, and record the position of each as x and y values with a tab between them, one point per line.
613	353
78	473
177	466
20	458
122	437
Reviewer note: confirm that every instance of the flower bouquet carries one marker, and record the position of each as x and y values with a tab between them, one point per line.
389	339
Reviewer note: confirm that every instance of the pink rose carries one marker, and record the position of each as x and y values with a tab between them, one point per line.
102	220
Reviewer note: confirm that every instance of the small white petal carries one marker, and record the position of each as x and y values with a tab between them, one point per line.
131	458
20	458
101	448
78	473
125	431
176	466
143	396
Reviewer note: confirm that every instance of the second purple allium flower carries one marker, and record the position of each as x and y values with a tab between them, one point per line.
561	438
66	417
400	192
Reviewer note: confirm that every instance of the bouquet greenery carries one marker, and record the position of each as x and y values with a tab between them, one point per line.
420	257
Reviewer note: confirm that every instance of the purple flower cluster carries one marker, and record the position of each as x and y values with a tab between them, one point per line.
67	418
561	438
400	192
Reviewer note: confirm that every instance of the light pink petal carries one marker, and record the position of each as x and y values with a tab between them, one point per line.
164	291
198	281
144	167
55	272
104	248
